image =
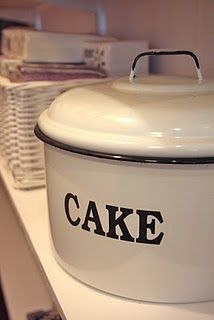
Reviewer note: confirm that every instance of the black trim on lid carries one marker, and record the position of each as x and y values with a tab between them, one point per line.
119	157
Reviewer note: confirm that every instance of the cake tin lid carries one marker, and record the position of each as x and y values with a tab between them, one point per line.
148	118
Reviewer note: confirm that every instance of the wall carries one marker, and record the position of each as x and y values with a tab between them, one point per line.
52	17
167	24
66	19
26	14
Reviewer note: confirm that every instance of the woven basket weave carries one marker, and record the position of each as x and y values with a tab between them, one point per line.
20	107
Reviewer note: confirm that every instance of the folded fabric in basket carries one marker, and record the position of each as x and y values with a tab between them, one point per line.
5	65
23	72
40	46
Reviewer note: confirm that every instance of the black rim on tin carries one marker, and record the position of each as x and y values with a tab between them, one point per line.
120	157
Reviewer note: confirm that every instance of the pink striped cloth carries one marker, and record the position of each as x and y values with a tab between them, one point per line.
17	71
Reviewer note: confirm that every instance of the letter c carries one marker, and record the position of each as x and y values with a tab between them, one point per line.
68	213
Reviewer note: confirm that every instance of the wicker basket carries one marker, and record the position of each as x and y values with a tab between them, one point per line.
20	107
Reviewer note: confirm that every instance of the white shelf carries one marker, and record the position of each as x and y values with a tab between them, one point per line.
75	300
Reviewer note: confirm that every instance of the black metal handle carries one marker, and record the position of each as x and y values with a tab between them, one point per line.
158	52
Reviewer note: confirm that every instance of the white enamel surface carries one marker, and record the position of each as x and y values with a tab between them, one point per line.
72	298
180	269
153	116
